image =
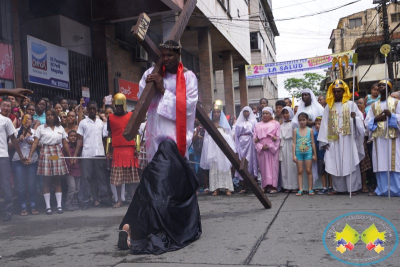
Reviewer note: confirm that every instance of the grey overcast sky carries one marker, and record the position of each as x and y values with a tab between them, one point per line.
308	37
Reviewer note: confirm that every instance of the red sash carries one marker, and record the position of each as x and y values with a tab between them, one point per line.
180	109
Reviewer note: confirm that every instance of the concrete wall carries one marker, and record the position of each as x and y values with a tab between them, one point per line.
236	32
75	36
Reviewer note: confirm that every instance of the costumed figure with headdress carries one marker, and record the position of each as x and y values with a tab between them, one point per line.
124	167
267	139
212	157
288	167
309	104
164	214
342	117
244	128
376	122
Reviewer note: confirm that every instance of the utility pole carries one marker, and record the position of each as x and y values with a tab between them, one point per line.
386	38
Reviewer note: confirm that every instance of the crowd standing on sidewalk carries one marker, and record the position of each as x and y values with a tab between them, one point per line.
302	149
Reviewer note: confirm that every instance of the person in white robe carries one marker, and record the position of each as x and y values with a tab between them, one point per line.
341	118
310	105
161	115
385	157
288	167
212	157
244	128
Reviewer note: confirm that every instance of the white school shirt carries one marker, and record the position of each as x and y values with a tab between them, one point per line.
6	129
92	133
50	137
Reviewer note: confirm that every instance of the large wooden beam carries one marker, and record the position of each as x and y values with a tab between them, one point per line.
241	167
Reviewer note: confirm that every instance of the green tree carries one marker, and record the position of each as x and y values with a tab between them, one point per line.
310	81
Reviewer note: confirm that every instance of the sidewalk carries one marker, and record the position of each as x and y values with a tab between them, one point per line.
237	231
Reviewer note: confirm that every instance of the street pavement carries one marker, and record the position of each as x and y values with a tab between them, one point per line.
237	231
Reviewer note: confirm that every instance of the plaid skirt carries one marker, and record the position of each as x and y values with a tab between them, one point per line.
365	163
143	156
49	167
124	175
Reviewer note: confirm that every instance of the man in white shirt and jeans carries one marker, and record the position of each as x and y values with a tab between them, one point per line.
7	130
90	135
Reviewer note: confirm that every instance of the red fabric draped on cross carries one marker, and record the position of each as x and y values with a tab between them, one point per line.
180	110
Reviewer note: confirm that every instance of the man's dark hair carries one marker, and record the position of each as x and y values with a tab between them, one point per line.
53	112
6	100
322	96
71	131
91	102
280	103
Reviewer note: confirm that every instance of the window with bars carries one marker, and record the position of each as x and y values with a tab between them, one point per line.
354	23
395	17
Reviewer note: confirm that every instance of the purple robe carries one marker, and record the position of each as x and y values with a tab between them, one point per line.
245	146
268	160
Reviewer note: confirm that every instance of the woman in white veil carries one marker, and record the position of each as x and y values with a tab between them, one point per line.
212	158
245	148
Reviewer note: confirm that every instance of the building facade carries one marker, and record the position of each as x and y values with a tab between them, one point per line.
363	32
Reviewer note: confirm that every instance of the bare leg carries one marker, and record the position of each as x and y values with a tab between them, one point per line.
309	174
300	174
119	202
364	182
323	180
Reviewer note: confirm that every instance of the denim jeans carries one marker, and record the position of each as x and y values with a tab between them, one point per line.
25	177
5	184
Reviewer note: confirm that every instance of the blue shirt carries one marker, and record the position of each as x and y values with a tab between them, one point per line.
320	152
42	118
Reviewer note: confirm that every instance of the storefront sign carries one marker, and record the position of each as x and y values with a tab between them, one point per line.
129	89
6	62
47	64
322	62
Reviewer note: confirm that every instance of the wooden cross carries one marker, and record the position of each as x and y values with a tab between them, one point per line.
139	114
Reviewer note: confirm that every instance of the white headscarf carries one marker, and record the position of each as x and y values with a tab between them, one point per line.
223	122
291	114
269	109
241	119
317	109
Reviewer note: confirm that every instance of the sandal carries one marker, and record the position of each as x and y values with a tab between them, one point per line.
242	191
365	190
117	205
311	192
228	193
215	193
34	212
24	213
372	194
273	191
299	193
353	193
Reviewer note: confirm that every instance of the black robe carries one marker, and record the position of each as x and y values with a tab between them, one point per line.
164	214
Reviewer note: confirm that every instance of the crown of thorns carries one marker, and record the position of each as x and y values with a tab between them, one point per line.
169	46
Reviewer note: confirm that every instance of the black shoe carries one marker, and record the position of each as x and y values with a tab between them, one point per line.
85	205
7	216
60	210
49	212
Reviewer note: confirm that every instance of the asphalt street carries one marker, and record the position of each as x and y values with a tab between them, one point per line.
237	231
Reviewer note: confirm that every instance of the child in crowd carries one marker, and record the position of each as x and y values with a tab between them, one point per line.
373	97
304	152
321	163
255	112
279	105
288	167
73	178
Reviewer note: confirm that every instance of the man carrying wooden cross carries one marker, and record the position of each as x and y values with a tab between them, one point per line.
154	223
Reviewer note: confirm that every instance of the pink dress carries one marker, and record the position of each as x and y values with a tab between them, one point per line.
268	160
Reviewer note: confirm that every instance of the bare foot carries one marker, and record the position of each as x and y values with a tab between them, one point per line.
128	230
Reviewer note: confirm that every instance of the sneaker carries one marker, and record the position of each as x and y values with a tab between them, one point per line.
323	192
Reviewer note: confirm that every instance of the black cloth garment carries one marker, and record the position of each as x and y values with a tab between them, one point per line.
164	214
